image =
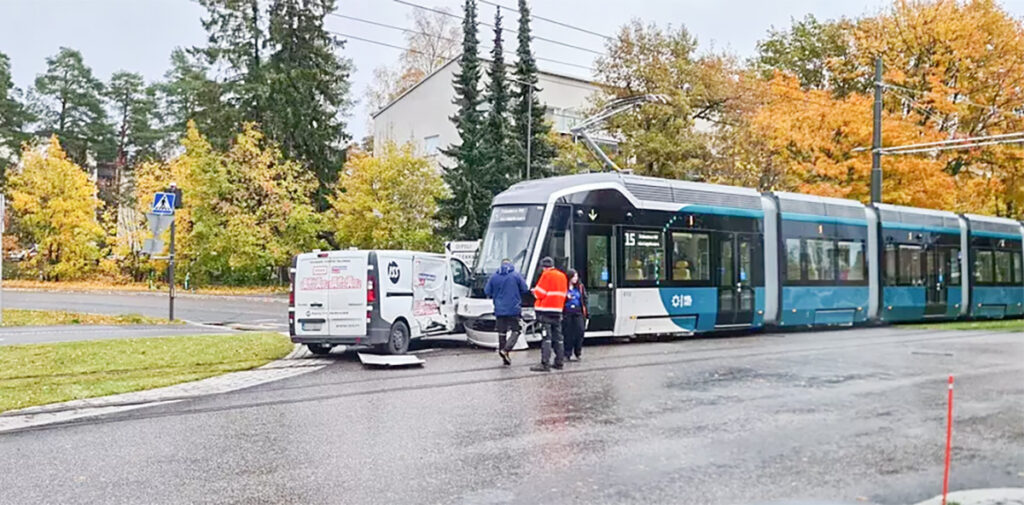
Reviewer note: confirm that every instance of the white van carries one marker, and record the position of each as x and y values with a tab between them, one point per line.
378	298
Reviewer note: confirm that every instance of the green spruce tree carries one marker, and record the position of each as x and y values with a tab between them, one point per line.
14	117
310	86
70	102
527	111
237	39
465	213
499	145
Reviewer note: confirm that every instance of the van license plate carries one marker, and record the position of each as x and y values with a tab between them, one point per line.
312	326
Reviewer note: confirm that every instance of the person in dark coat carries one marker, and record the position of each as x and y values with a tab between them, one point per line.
574	316
506	287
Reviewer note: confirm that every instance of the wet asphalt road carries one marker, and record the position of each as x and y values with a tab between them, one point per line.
850	416
269	311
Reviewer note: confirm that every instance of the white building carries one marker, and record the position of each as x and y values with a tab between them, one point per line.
421	115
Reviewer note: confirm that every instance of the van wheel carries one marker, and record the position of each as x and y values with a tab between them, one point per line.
319	349
398	339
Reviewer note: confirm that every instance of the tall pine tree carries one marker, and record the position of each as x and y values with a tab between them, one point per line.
499	145
188	93
465	212
70	102
309	83
526	113
134	107
14	116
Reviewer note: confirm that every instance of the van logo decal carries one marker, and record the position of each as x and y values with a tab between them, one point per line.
393	272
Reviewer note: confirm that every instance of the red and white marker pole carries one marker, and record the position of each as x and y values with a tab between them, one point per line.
949	441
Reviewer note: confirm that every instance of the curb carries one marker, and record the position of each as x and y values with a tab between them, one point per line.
298	362
993	496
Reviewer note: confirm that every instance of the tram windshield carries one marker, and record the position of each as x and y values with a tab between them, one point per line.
511	234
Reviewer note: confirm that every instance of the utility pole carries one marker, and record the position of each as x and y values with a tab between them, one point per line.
876	137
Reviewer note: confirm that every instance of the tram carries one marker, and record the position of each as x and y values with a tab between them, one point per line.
663	256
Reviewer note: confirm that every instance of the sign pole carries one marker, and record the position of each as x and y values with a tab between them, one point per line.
170	274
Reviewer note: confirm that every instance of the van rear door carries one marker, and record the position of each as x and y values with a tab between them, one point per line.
429	293
311	303
347	285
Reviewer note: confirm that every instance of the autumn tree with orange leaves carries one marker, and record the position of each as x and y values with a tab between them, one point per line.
794	117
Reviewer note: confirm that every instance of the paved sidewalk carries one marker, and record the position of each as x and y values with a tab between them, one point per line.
298	362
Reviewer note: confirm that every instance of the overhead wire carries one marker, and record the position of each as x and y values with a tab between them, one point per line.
536	37
549	20
449	39
990	108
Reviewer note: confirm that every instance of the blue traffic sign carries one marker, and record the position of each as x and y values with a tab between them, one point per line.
163	204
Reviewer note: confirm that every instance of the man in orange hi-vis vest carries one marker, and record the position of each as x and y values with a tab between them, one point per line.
550	295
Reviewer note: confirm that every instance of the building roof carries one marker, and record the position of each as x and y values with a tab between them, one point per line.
455	60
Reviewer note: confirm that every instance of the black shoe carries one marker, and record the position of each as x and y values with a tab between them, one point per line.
558	366
578	357
505	357
543	367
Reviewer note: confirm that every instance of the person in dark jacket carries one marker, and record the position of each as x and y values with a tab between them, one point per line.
574	316
506	287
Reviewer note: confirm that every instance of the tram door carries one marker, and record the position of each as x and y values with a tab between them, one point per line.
593	260
737	254
936	278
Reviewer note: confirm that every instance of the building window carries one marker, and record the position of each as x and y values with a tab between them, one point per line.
644	252
432	145
691	260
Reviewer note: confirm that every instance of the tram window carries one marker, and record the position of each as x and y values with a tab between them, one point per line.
954	267
910	265
793	259
890	265
691	260
819	260
644	252
1018	276
983	267
1003	272
851	261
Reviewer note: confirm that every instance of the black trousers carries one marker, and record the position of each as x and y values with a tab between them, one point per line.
551	322
572	329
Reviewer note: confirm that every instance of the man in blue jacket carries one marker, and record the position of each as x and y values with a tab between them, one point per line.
506	287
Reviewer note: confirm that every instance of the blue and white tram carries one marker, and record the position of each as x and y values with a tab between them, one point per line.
674	257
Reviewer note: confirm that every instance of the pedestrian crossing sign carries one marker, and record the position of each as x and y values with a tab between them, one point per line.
163	204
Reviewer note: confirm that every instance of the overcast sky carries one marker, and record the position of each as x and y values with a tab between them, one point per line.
138	35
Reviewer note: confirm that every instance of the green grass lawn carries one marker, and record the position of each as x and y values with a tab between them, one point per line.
992	324
21	317
38	374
